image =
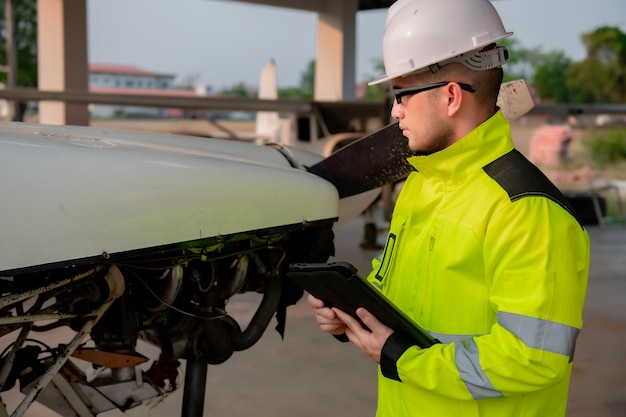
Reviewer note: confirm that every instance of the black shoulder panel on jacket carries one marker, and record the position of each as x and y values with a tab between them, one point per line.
520	178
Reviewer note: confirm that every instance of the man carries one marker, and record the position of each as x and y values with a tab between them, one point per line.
483	251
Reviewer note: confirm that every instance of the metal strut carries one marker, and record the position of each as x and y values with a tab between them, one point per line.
195	386
116	283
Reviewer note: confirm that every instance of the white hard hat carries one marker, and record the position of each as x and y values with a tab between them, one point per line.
423	34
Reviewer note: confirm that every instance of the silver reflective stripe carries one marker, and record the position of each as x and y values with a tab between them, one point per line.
451	338
468	363
540	334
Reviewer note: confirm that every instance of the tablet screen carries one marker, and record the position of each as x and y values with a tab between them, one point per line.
340	285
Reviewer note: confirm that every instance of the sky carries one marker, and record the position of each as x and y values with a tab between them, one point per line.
221	43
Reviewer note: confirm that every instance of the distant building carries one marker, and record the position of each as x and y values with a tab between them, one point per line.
126	79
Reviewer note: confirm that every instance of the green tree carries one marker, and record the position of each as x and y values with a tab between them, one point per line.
585	82
306	86
601	77
238	90
292	92
378	91
522	62
550	77
307	80
25	40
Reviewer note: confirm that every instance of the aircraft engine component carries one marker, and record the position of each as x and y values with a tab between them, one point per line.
181	308
128	237
172	281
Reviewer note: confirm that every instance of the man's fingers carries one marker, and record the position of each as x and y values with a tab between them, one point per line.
350	321
368	319
315	302
327	314
345	317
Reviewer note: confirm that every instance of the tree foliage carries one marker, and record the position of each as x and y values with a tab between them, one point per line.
601	77
238	90
25	39
379	91
307	80
550	77
522	61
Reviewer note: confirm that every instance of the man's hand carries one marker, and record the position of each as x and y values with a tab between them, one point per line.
326	317
370	342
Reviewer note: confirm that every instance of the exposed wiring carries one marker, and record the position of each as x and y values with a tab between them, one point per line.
181	311
6	349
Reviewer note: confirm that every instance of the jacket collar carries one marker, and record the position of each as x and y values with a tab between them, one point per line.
470	153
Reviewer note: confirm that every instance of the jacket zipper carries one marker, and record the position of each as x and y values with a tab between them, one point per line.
427	278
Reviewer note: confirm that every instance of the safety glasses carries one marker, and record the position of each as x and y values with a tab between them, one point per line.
401	92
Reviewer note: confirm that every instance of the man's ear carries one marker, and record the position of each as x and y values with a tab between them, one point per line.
455	98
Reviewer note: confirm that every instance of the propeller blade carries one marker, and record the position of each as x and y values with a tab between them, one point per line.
380	158
374	160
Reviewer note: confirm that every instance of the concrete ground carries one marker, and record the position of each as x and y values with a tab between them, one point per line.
310	374
598	385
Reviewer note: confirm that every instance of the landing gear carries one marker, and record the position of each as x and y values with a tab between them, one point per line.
195	387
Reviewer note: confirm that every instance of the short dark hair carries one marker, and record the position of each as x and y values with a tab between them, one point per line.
487	82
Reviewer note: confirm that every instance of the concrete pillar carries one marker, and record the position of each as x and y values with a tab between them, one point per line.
62	50
336	44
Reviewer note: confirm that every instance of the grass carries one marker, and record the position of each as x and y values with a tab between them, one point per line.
607	146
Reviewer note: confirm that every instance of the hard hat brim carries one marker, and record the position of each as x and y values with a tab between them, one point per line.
454	58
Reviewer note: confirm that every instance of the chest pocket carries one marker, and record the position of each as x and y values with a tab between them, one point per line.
389	252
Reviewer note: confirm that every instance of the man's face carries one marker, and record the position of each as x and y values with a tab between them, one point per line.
422	116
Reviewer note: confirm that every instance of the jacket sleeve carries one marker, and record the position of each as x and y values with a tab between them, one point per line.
536	260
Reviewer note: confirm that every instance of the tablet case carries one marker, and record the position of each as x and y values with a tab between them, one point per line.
339	284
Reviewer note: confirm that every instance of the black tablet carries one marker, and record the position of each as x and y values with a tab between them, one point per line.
339	284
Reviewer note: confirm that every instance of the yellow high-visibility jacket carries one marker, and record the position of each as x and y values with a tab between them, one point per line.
487	255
